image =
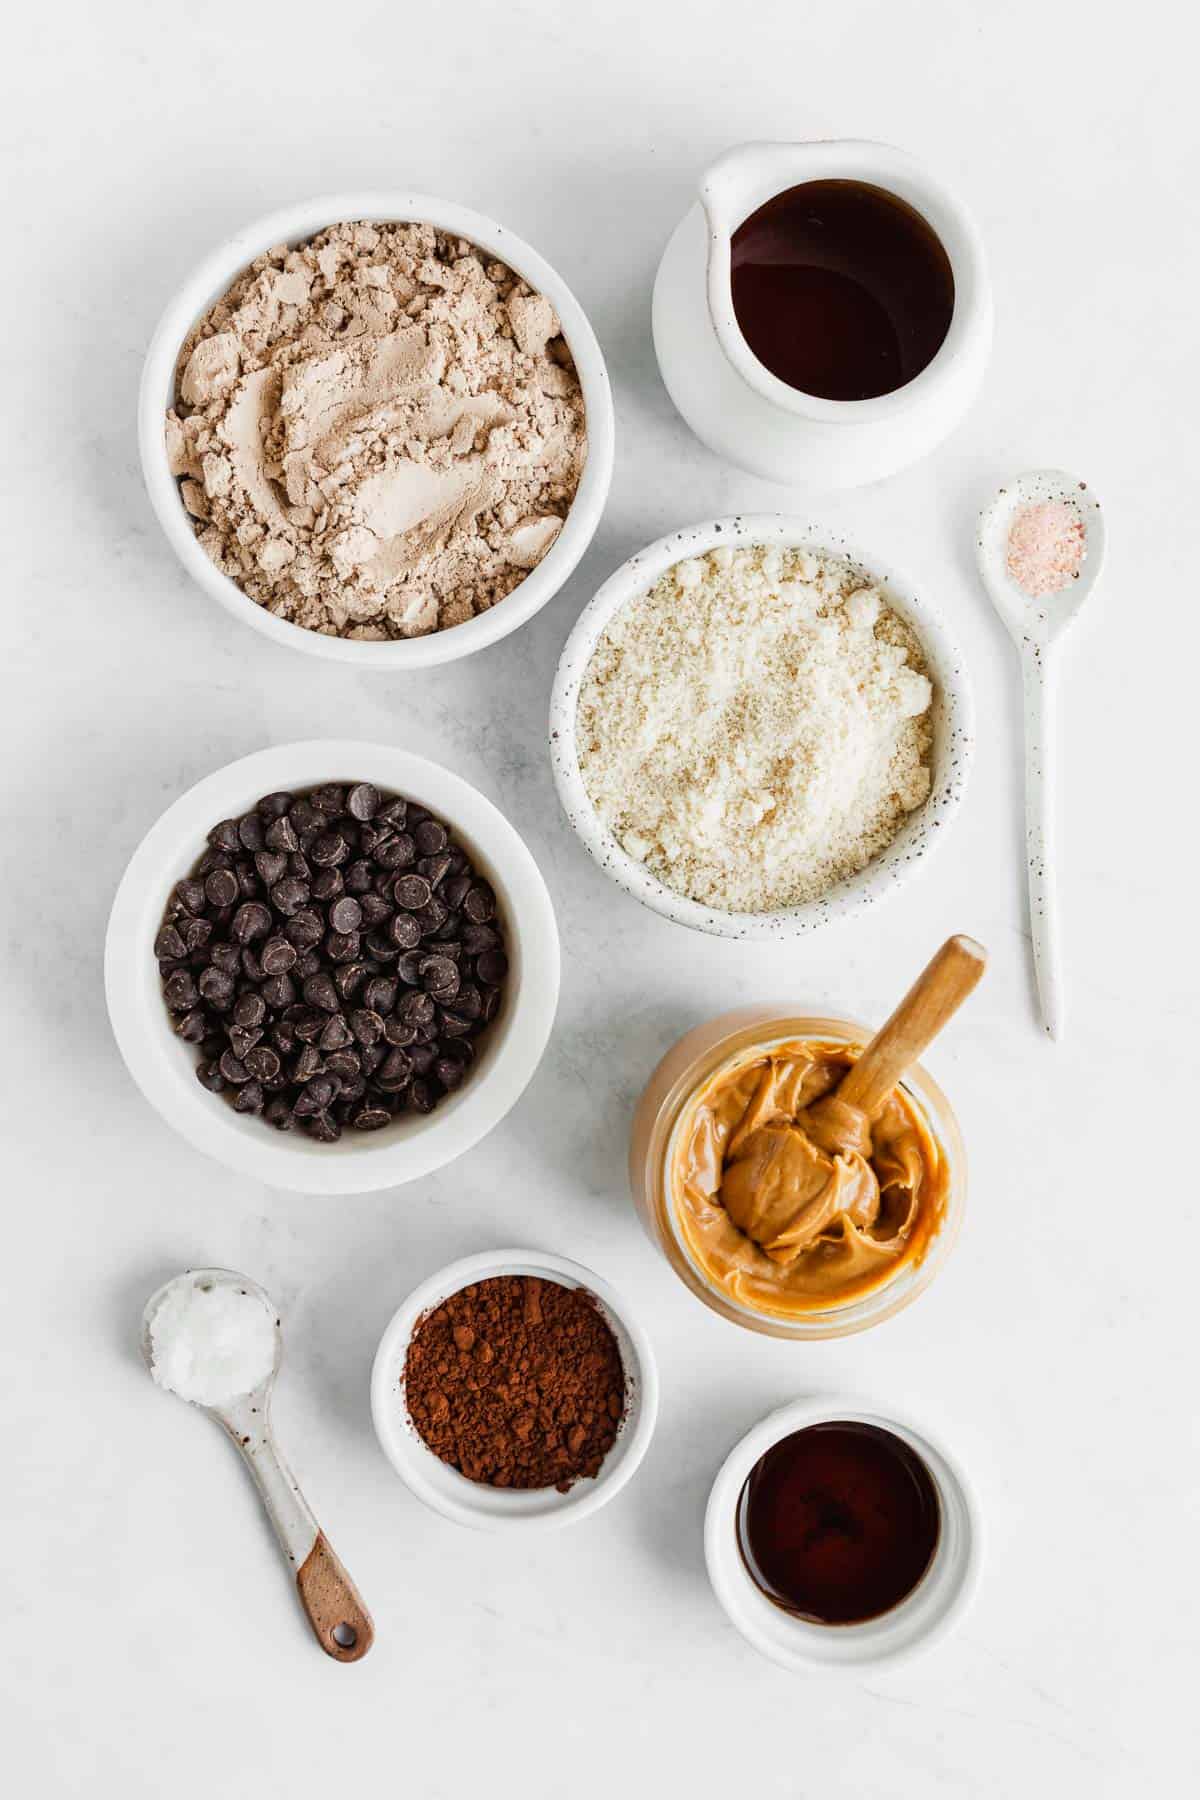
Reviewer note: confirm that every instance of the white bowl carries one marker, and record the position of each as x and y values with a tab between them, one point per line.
935	1605
164	1067
953	727
293	225
473	1503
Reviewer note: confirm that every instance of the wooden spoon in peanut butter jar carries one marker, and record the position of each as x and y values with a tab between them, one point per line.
787	1180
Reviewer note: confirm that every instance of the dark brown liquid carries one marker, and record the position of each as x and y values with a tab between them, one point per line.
841	290
838	1523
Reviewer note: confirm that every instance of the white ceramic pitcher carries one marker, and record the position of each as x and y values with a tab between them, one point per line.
734	403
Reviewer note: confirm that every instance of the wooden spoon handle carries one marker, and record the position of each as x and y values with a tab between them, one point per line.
333	1604
932	1000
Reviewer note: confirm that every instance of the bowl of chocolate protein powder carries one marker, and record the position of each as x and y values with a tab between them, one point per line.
333	966
377	428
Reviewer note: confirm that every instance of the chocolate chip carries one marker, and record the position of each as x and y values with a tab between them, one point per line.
209	1076
396	852
439	976
169	946
225	957
366	1025
416	1009
279	990
242	1039
375	909
325	1128
277	957
327	884
251	832
345	915
271	866
273	806
449	1072
281	836
221	888
411	892
250	921
380	993
404	931
431	916
492	967
217	988
305	930
431	837
328	849
233	1069
336	1034
330	800
434	869
279	1114
342	948
262	1062
224	836
480	904
408	967
250	1011
193	1027
395	1071
358	876
191	895
289	895
249	1098
477	938
399	1032
349	978
362	802
370	1118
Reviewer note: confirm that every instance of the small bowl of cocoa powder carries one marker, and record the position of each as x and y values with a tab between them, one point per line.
514	1389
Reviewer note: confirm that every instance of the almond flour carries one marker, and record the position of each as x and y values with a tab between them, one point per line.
756	728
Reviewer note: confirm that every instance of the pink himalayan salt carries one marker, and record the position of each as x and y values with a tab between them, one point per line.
1046	544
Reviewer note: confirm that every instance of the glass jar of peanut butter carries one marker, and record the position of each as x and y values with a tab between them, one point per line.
794	1222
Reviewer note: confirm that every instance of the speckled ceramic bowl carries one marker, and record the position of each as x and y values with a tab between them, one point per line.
953	731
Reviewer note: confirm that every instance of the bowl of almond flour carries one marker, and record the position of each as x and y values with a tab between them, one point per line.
378	429
756	729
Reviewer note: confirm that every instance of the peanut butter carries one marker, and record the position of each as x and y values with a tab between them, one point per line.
790	1201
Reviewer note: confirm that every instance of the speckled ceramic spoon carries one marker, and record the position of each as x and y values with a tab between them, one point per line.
331	1601
1037	627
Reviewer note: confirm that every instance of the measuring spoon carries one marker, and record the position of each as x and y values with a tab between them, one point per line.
1037	626
330	1599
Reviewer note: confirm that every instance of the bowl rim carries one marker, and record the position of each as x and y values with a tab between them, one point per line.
908	851
358	1163
476	1505
215	273
934	1607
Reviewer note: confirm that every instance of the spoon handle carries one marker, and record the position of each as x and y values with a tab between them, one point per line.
332	1604
932	1000
1039	679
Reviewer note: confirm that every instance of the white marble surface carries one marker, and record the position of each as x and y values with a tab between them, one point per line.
150	1640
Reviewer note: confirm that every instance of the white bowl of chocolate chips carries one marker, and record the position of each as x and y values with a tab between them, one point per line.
333	966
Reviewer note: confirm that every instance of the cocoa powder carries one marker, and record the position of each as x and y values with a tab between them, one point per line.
516	1382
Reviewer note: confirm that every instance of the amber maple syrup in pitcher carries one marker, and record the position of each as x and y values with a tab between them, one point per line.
841	289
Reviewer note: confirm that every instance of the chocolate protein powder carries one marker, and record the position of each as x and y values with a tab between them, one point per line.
517	1382
379	433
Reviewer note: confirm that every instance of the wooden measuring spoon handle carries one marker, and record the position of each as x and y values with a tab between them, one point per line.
333	1604
932	1000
